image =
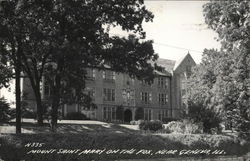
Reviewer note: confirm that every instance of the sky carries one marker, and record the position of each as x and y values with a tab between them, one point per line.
176	24
178	27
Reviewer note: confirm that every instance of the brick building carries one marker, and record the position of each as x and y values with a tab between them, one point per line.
113	92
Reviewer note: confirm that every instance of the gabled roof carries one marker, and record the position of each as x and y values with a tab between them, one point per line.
171	65
178	62
166	63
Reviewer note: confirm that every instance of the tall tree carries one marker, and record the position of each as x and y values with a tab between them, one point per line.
23	43
63	38
231	20
82	41
227	74
202	101
11	48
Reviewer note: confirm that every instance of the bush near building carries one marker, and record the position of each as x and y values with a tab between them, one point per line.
184	127
76	116
29	114
168	119
153	125
210	119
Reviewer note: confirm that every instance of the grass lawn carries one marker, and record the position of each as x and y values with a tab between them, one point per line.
103	141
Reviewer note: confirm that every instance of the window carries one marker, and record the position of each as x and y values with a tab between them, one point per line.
91	74
109	113
162	114
128	96
108	94
163	98
146	97
146	83
162	82
147	114
183	85
188	71
108	76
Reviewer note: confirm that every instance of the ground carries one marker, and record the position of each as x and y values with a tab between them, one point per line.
94	140
69	126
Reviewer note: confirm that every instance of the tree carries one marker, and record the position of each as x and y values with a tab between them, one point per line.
74	35
81	41
231	20
5	111
203	105
11	48
223	76
5	76
6	73
18	45
209	118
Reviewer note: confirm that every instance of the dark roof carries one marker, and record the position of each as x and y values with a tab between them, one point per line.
166	63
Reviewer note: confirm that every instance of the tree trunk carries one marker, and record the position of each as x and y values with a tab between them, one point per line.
40	110
55	103
54	114
18	94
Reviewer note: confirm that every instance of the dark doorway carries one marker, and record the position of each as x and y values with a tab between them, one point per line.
127	115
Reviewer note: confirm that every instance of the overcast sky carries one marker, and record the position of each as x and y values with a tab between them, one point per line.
177	24
177	27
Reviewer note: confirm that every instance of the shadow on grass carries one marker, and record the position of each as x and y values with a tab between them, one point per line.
109	136
15	143
72	128
105	140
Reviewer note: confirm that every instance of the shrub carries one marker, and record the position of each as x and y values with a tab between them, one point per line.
167	120
175	126
192	128
6	113
153	125
184	127
29	114
132	122
76	116
208	117
136	122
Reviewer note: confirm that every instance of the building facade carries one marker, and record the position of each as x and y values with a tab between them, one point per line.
119	97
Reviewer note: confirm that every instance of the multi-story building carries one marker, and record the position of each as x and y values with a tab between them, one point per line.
115	93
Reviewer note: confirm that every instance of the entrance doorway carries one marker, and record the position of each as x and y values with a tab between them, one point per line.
127	115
